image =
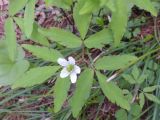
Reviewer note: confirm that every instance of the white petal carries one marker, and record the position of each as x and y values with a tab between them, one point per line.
71	60
73	77
109	18
64	73
62	62
77	69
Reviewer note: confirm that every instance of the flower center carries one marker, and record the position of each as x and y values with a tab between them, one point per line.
70	68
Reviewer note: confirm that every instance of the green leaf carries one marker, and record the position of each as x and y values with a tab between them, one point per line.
82	21
65	4
44	53
135	72
83	88
29	17
4	69
60	92
4	59
121	115
89	7
20	22
35	76
62	37
38	37
129	78
20	54
99	39
11	38
114	62
150	89
128	95
135	109
146	5
2	44
103	2
142	78
49	2
112	92
153	98
16	5
68	2
141	100
119	20
10	72
111	5
35	36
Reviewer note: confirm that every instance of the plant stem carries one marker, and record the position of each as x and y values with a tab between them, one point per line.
132	63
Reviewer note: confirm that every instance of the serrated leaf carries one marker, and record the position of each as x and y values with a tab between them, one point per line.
11	39
152	97
16	5
119	20
35	36
135	109
82	21
113	92
35	76
152	65
62	37
29	17
114	62
60	92
146	5
89	7
141	100
44	53
135	72
142	78
121	115
150	89
83	88
4	56
99	39
129	78
10	72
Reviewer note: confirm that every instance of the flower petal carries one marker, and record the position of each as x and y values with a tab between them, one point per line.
77	69
109	18
64	73
63	62
73	77
71	60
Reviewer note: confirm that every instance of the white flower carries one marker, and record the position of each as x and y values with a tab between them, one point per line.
69	68
109	18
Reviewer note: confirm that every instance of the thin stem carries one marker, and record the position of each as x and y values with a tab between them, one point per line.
136	89
139	59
